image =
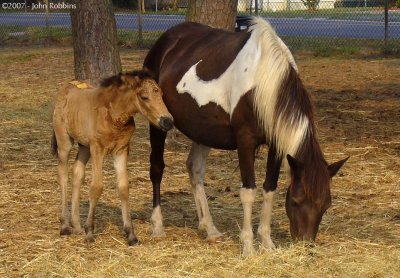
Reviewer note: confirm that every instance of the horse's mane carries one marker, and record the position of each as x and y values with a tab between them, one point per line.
116	80
284	107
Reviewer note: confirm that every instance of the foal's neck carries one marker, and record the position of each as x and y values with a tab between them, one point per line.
120	106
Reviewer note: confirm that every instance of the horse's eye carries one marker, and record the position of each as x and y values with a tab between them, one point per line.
144	98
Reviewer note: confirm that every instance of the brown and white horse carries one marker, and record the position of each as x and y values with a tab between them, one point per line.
101	121
230	91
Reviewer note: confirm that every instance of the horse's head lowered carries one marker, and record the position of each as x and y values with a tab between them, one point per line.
145	94
306	203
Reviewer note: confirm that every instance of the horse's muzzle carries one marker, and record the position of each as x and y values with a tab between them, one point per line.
166	123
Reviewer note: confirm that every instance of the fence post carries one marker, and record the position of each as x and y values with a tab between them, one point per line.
48	30
386	50
256	7
140	24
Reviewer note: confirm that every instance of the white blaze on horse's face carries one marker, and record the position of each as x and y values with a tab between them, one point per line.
227	89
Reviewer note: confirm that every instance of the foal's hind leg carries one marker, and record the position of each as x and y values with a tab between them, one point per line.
64	143
196	166
269	186
96	188
78	174
120	164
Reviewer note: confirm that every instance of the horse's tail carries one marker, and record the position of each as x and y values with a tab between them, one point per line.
281	103
54	146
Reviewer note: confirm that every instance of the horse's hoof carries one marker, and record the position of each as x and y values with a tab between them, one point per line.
158	233
65	231
213	238
249	252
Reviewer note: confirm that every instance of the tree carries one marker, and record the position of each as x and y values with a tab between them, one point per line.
216	13
94	34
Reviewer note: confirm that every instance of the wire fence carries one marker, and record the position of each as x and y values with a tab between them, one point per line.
303	24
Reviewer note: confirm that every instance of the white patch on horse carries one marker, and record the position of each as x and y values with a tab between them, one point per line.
227	89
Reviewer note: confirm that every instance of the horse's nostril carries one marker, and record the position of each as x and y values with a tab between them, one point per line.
166	123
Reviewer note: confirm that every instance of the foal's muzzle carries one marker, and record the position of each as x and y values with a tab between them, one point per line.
166	123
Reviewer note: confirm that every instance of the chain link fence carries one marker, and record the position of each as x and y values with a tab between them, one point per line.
303	24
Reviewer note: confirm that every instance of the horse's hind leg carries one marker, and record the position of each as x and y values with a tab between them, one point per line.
78	174
157	141
120	164
64	143
196	166
269	186
96	188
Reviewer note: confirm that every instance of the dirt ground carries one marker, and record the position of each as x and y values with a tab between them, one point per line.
358	114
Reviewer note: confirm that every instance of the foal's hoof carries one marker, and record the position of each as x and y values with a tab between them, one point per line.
133	241
89	239
65	231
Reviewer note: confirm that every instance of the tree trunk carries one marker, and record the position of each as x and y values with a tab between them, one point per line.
94	36
216	13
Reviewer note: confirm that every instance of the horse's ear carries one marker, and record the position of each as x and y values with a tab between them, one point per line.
334	167
294	163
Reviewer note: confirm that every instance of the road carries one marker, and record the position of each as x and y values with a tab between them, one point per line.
315	27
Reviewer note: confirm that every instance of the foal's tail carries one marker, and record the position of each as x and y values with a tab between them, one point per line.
54	146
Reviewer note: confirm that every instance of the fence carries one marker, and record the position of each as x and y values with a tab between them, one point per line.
303	24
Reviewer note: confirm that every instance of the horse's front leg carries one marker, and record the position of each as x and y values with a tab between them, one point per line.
269	187
196	166
96	188
157	165
120	164
246	152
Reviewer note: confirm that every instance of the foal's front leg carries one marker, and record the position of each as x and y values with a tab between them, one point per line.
96	188
120	164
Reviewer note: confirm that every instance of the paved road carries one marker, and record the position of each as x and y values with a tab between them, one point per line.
317	27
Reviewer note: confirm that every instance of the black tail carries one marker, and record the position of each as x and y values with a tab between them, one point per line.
54	146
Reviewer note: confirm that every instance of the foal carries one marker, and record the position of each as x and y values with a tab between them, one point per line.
101	121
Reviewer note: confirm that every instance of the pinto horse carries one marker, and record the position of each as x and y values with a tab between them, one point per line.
101	121
231	91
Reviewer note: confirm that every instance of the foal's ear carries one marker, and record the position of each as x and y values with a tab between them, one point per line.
334	167
130	81
295	164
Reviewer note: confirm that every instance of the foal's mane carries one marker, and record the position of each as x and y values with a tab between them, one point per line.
284	109
116	80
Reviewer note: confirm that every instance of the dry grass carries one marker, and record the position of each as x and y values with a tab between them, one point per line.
358	114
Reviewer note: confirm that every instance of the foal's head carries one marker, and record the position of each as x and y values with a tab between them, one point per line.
146	96
309	196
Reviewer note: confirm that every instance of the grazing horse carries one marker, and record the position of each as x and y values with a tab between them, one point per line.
101	121
231	91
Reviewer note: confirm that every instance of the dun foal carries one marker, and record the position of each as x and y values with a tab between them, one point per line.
101	121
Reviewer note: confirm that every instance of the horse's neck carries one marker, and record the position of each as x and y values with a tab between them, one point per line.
310	153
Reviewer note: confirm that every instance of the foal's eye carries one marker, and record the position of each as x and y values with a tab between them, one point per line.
144	98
